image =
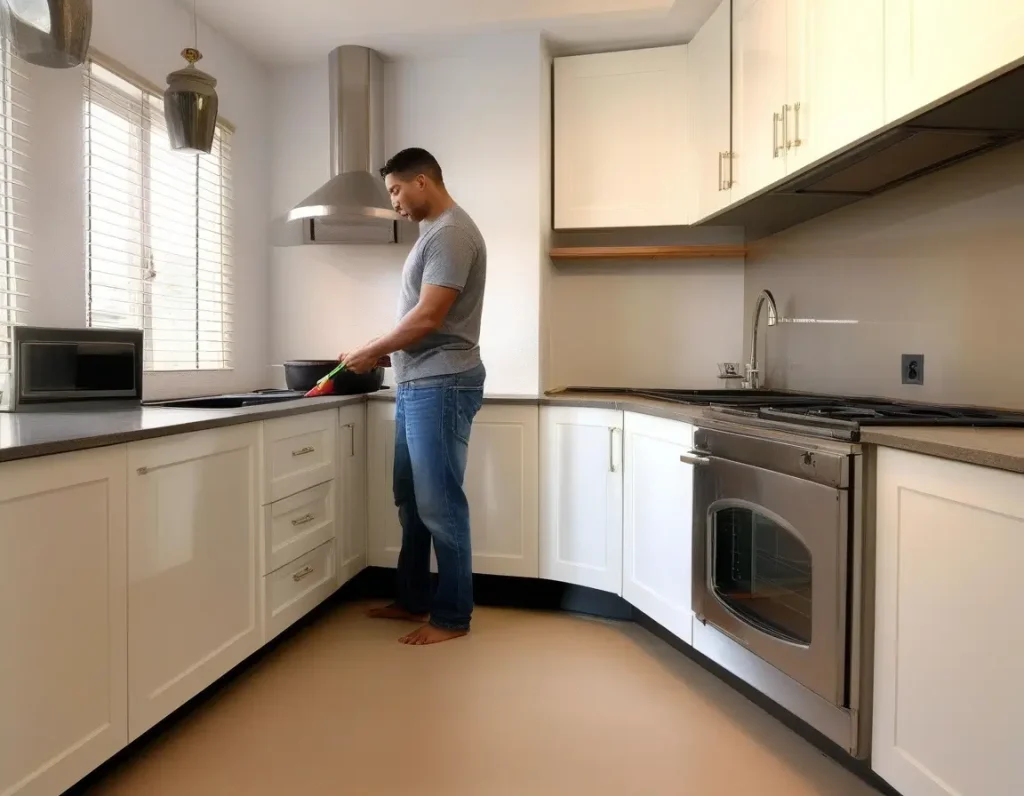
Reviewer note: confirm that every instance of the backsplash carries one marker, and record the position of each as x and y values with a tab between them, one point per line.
934	268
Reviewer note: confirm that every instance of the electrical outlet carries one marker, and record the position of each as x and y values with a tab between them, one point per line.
912	369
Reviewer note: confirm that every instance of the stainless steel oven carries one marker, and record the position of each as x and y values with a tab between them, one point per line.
66	368
777	531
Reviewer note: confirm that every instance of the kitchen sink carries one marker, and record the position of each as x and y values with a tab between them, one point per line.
237	401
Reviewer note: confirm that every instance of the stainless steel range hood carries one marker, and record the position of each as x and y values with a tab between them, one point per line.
979	120
353	206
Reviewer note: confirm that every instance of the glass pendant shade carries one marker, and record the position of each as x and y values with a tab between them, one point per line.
49	33
190	107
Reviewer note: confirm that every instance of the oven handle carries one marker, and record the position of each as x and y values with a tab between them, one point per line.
696	457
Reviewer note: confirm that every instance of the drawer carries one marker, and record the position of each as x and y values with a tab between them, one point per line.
300	523
298	453
295	589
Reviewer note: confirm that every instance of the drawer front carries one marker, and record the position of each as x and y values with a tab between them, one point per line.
294	590
300	523
298	453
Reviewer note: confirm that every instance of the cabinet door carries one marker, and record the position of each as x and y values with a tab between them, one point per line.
836	57
352	494
581	497
658	522
759	93
948	697
612	113
192	566
935	47
709	75
501	484
63	669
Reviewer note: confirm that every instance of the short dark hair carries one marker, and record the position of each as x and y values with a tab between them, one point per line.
413	161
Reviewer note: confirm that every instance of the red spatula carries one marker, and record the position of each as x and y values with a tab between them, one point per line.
326	385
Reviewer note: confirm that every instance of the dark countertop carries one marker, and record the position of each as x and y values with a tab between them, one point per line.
28	435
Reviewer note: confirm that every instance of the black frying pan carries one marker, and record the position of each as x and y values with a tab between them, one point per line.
303	374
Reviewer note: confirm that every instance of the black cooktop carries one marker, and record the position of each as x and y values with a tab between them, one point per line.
838	416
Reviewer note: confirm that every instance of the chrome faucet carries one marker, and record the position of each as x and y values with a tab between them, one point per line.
752	382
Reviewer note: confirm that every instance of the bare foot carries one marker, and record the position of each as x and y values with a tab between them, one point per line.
428	634
395	611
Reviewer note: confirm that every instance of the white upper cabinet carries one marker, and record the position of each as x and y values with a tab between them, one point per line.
836	76
581	497
192	566
935	47
64	659
709	102
948	693
620	139
759	93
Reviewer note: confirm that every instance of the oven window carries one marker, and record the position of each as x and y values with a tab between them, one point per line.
762	571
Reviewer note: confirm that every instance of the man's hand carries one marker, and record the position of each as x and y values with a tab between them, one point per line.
363	360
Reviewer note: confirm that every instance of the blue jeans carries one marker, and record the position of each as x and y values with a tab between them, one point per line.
433	418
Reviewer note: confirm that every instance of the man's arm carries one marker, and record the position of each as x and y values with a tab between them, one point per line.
449	257
427	316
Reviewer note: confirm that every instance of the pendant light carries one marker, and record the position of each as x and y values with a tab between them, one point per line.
190	102
50	33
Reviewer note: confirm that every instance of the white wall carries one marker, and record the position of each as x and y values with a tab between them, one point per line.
481	114
147	37
935	268
644	324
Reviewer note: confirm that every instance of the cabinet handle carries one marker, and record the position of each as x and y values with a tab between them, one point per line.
306	571
796	125
304	451
728	182
787	144
611	450
775	135
721	180
306	519
694	458
352	439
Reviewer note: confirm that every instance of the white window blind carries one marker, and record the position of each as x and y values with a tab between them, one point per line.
13	234
159	238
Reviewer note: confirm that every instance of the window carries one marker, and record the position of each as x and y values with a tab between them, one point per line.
13	236
158	235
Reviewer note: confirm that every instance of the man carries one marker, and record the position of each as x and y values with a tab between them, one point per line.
435	353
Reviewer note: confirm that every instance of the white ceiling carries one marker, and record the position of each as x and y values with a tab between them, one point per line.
304	31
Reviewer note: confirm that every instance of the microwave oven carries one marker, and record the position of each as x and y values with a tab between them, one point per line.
73	368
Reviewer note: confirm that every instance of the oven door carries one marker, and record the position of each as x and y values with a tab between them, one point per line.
769	569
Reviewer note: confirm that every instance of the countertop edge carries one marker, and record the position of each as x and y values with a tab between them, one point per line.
895	438
945	450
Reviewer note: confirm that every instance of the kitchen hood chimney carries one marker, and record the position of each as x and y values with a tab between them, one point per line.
353	204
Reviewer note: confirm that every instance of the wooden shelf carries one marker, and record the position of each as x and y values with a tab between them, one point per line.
647	252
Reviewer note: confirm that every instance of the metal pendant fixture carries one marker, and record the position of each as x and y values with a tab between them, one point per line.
50	33
191	103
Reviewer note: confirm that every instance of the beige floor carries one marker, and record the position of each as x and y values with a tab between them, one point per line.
529	704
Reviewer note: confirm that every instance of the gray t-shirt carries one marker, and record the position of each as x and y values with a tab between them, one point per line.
451	253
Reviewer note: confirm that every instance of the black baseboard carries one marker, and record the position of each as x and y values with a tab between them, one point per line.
377	583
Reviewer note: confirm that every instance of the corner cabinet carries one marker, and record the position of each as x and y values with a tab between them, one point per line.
581	497
63	550
948	697
192	566
501	485
658	521
620	139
